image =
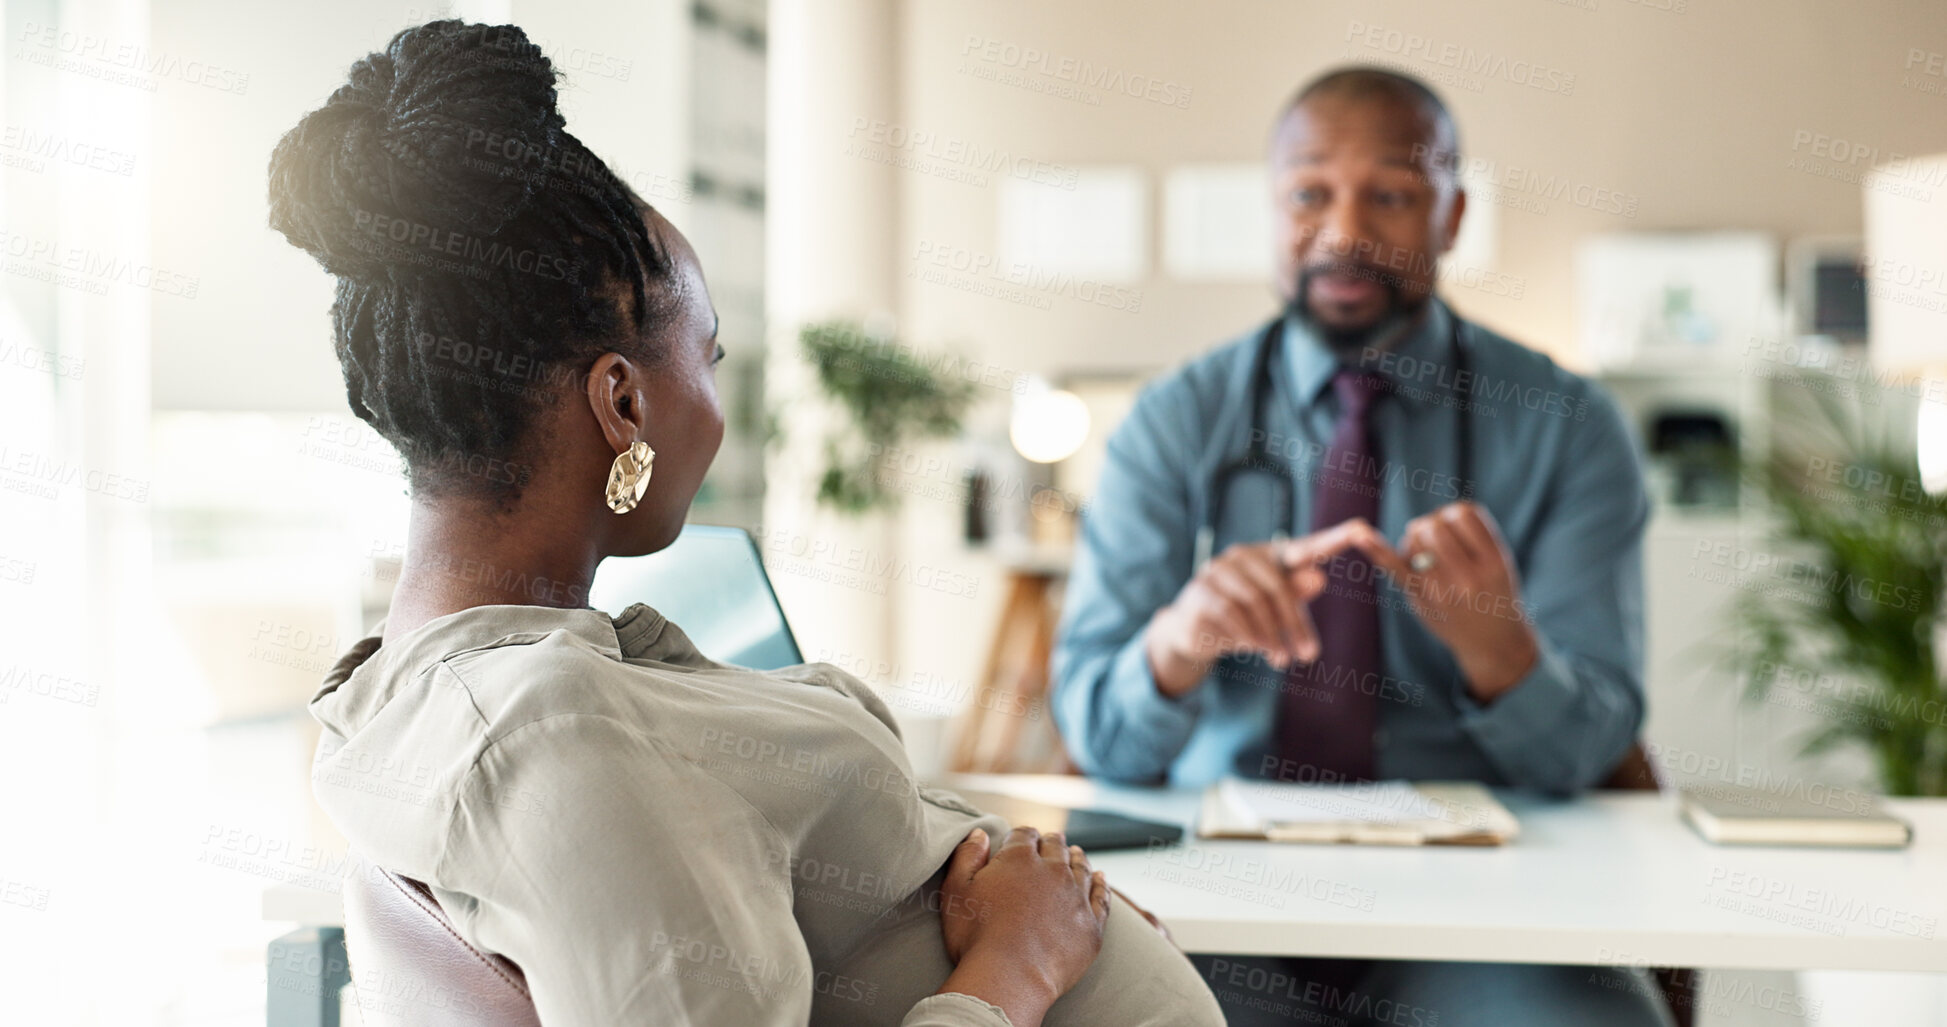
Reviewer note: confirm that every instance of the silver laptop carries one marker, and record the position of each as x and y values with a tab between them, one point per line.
711	583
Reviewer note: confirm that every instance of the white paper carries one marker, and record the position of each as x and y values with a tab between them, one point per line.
1379	802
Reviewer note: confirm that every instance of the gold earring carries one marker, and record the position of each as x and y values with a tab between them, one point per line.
628	477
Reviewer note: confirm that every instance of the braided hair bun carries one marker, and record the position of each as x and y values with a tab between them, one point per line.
484	256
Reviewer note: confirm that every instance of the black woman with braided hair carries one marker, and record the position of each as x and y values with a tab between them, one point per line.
651	836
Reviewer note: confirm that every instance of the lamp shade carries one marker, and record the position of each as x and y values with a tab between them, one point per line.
1906	264
1906	295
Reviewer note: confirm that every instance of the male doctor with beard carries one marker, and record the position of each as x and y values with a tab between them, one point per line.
1367	540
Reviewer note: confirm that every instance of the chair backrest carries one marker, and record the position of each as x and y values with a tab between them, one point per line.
411	969
1635	773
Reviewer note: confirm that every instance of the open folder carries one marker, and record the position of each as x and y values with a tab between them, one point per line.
1376	813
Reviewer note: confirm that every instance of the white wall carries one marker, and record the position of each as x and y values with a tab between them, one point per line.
1691	114
257	335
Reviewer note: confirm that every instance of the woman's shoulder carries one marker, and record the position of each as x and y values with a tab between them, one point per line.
531	676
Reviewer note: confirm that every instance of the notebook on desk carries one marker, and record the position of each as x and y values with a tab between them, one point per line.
1730	815
1376	813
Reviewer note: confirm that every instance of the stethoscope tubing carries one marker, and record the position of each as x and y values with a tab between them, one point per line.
1257	456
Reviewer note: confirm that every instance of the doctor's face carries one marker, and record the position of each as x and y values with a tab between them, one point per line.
1363	208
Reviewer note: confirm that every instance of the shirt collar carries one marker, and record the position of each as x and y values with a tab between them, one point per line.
1311	363
476	626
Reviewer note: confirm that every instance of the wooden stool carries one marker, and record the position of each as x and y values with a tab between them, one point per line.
1007	728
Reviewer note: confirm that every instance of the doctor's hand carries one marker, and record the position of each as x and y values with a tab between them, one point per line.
1249	598
1458	572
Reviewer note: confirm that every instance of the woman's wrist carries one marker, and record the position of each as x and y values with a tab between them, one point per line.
1005	981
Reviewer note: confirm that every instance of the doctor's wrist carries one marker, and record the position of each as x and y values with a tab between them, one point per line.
1496	673
1176	673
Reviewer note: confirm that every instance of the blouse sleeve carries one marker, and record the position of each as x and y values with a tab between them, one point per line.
631	887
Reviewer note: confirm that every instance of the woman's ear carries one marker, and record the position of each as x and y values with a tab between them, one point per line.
617	399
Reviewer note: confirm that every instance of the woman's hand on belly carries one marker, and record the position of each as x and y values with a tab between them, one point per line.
1021	923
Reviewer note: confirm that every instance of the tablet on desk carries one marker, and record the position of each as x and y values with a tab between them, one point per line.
1093	829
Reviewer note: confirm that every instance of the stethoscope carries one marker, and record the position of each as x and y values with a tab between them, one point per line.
1258	459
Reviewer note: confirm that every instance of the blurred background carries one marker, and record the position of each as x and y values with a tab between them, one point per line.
989	223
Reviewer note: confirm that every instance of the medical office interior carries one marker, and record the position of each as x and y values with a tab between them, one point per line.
949	243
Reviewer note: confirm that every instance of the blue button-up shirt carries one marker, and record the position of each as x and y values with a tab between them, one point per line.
1553	462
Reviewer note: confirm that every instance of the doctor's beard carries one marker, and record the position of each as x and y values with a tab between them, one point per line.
1348	341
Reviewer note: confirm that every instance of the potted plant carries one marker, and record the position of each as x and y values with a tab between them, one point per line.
1844	618
889	397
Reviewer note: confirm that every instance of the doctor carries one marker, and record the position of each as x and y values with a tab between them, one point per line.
1368	540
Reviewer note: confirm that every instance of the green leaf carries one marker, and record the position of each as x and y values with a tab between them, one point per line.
890	397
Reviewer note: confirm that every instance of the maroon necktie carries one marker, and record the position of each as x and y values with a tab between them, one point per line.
1330	706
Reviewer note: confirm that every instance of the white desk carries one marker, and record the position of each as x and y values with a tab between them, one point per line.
1608	878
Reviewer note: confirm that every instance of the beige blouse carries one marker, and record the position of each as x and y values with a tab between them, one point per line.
655	838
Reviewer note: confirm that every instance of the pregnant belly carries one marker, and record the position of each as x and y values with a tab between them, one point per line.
1138	980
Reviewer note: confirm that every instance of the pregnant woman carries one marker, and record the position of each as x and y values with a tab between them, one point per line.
653	837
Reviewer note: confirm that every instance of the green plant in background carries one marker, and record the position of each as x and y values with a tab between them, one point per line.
889	398
1842	619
